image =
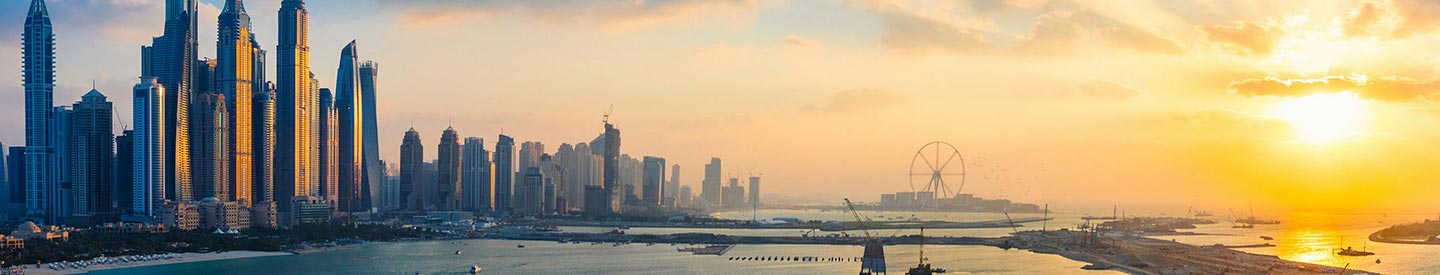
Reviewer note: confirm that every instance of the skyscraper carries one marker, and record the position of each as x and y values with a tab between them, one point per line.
57	201
672	186
235	71
209	146
529	156
15	203
448	174
91	143
329	152
612	165
149	148
38	56
653	181
529	195
296	114
262	188
573	180
171	58
476	176
755	191
349	149
124	180
412	172
504	173
373	170
710	188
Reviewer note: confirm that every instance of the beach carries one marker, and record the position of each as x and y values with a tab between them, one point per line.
179	258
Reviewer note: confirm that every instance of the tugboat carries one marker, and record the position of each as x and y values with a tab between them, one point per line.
1347	251
923	268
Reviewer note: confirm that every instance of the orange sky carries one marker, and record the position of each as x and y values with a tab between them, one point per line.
1061	102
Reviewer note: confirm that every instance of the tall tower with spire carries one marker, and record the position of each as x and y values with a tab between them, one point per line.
296	108
39	78
233	73
172	60
350	150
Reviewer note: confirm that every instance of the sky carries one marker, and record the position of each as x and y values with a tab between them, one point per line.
1276	104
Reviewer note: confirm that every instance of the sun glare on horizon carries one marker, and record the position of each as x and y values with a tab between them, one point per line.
1323	118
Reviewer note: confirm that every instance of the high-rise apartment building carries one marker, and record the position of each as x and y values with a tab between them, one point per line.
710	187
476	176
373	169
38	61
328	187
448	164
91	145
412	169
653	181
296	109
149	148
235	78
172	60
504	173
209	146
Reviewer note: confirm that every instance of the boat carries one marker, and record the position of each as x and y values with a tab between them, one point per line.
1348	251
923	268
475	269
519	246
1377	261
457	252
1242	225
1267	238
716	250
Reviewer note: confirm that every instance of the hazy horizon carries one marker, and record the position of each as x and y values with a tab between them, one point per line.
1283	105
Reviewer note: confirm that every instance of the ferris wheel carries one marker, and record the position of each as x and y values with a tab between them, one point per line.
934	167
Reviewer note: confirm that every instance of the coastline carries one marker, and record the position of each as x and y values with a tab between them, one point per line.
180	258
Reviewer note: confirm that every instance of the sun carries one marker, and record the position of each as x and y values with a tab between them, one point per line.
1323	118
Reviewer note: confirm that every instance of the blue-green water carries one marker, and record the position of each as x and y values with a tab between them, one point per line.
1306	237
503	257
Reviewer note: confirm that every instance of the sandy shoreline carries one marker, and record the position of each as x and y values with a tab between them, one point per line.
179	258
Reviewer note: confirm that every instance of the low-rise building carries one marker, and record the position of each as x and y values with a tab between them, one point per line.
180	215
29	230
223	214
310	209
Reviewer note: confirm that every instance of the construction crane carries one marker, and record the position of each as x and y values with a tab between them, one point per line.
859	222
873	261
606	118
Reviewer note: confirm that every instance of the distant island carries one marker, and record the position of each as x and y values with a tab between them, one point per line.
1416	233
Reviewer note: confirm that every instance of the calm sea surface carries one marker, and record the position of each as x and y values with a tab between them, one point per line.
1305	237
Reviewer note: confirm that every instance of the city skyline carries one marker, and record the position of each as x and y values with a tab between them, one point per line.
908	85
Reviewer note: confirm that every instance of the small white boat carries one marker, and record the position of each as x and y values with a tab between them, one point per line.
457	252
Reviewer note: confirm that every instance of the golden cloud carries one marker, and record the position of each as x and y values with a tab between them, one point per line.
1060	32
1245	37
1390	88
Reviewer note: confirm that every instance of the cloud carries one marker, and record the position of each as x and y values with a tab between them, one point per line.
801	42
1063	32
913	30
856	101
1391	88
1245	37
606	15
1393	18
